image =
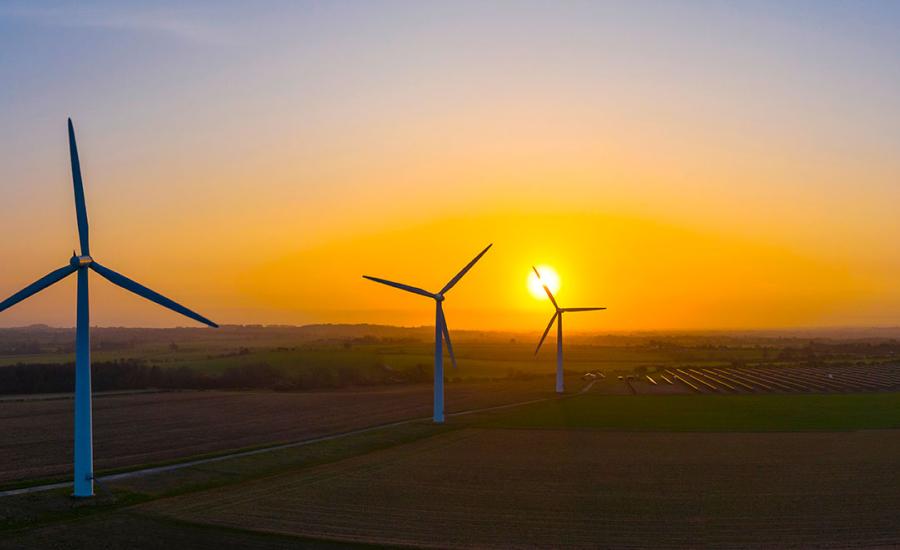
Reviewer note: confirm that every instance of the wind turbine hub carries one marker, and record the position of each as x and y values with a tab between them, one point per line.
81	261
439	297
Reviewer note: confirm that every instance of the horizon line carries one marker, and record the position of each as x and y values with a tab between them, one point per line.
669	331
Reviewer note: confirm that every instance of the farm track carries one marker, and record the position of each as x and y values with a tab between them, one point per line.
406	413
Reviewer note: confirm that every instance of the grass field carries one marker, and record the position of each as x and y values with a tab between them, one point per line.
713	412
294	349
476	359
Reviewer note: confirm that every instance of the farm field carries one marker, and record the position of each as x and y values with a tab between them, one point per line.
563	488
135	530
375	352
131	430
711	412
675	442
527	476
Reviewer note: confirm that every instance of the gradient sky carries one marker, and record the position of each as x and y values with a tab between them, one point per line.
687	164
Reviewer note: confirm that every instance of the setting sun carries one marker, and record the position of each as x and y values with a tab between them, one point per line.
548	277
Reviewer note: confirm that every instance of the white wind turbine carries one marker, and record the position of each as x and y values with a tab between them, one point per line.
84	451
441	333
558	317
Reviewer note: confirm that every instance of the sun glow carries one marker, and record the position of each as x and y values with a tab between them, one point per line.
548	277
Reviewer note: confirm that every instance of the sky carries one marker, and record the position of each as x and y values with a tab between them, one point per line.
689	165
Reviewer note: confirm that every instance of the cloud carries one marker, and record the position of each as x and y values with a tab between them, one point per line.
115	19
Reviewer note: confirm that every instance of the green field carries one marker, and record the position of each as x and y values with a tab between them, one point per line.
712	413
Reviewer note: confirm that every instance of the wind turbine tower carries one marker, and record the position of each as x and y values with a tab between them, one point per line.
558	318
441	333
84	452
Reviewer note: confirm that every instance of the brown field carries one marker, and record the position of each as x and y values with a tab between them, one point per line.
130	530
137	429
582	488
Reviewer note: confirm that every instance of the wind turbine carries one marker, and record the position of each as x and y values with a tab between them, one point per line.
441	333
558	317
84	453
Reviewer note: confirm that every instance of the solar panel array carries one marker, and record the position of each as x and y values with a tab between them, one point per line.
725	380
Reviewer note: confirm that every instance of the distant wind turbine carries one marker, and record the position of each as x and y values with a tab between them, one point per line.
84	453
441	333
558	317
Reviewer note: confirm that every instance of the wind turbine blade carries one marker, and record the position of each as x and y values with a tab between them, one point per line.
401	286
546	289
469	265
446	332
583	308
546	330
80	208
145	292
38	286
550	295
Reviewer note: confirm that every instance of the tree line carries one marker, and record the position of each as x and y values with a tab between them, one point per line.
134	374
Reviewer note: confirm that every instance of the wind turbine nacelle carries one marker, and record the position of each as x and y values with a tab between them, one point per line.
81	261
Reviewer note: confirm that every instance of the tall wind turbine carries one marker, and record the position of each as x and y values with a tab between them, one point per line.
441	333
84	453
558	317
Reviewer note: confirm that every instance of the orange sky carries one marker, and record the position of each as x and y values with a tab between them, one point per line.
685	174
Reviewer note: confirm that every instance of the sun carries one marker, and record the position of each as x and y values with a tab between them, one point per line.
548	277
